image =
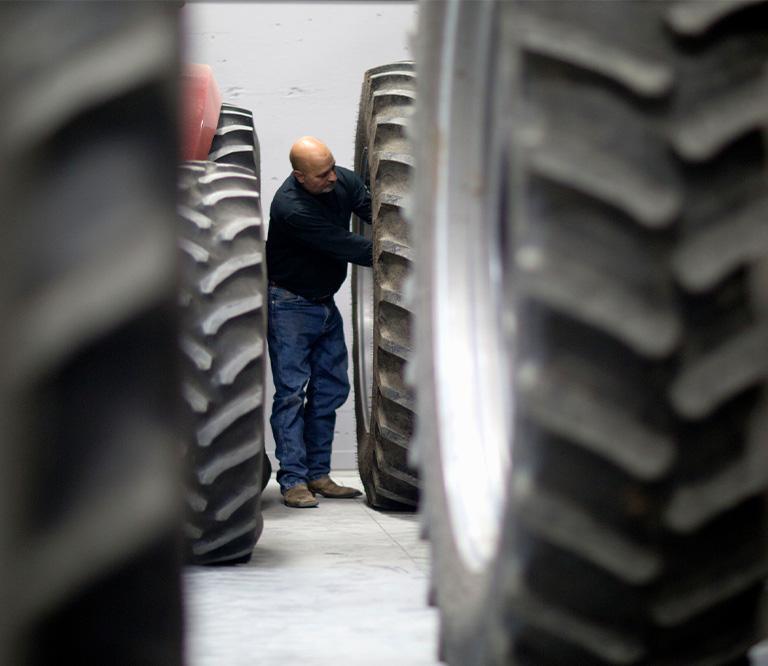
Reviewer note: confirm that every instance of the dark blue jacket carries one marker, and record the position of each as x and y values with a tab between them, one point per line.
309	243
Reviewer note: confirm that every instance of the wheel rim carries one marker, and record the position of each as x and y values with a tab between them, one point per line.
471	338
364	316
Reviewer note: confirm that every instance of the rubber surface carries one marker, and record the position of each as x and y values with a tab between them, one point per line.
236	141
634	531
88	379
223	295
383	158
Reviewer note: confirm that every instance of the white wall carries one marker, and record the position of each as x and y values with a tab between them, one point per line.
298	67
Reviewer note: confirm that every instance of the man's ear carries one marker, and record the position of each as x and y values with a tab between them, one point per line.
298	176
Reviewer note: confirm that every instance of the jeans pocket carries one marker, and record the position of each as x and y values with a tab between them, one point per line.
279	296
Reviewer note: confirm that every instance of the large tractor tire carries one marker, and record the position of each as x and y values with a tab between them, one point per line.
223	295
236	141
381	314
90	501
591	328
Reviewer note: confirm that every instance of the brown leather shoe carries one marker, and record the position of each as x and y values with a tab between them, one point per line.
327	488
299	497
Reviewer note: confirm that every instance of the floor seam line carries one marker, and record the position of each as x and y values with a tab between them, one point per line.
395	541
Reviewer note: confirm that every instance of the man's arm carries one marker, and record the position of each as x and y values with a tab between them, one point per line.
325	237
361	199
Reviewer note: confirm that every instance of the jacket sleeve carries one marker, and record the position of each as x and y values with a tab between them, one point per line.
324	236
361	200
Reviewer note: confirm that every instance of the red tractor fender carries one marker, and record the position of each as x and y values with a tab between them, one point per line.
200	108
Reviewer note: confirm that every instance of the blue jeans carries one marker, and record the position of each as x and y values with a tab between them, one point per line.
309	368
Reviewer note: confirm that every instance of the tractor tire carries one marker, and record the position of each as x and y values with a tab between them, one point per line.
90	508
236	141
592	330
381	314
266	472
223	295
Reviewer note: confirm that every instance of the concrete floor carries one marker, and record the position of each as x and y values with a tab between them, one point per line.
340	584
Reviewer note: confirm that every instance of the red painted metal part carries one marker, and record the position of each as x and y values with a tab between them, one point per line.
201	104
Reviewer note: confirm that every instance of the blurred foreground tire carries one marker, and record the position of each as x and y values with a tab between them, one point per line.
591	328
90	542
224	341
381	321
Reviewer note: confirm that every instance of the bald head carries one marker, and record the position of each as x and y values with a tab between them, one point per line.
306	151
313	165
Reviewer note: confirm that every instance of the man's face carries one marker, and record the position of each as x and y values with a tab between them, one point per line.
319	175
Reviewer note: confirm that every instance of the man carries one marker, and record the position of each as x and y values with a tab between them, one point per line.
308	248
